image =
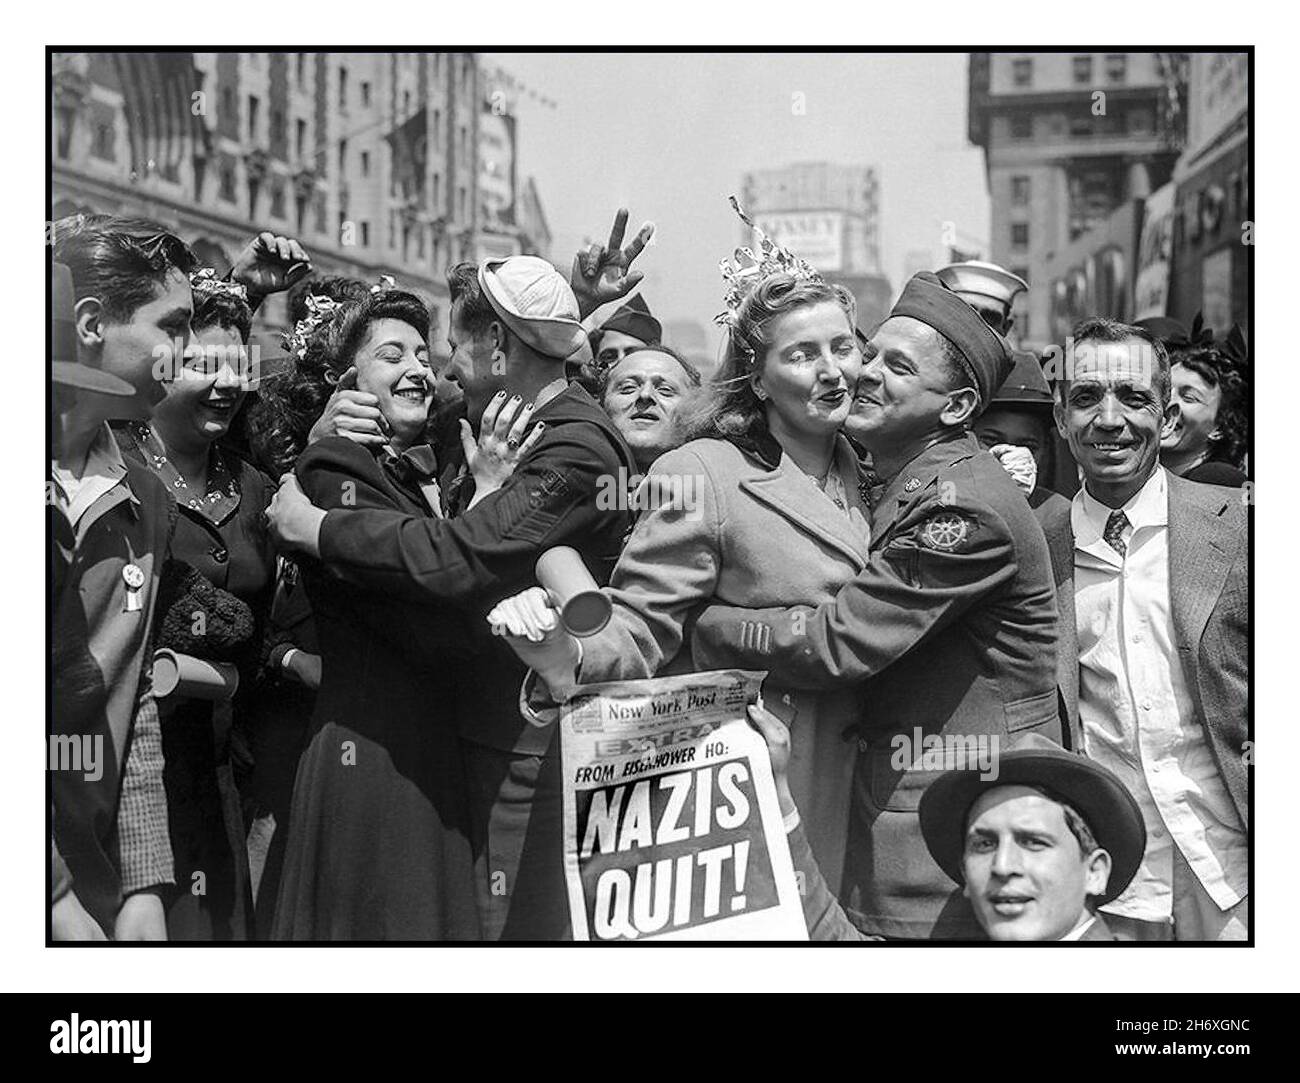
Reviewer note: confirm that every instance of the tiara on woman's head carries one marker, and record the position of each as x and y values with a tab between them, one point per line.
206	283
745	270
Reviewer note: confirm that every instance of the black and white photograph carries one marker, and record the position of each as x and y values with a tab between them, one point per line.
614	495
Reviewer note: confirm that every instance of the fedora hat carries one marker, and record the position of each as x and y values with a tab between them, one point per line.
535	302
1095	793
66	369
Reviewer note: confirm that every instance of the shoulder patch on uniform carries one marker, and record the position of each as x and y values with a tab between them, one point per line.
946	531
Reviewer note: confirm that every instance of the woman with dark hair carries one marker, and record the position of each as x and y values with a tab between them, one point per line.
1207	442
220	533
378	844
766	506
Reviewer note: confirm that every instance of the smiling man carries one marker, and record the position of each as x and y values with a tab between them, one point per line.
1158	604
952	625
642	392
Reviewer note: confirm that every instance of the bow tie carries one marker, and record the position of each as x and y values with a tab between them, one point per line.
418	463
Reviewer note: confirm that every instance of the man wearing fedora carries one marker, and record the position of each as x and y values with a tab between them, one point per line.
514	323
1153	585
121	303
1037	841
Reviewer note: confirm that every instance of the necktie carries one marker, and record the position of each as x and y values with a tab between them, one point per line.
1114	532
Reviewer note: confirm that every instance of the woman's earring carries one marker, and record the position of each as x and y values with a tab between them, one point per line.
498	361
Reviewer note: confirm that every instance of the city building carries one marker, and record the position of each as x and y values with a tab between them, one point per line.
1213	232
1069	138
829	215
368	159
511	220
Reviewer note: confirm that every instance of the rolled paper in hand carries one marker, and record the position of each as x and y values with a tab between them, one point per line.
584	608
182	676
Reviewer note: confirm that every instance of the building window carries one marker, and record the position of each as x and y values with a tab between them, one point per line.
227	189
365	234
102	144
343	88
1140	121
1022	71
1020	191
1019	234
365	95
253	105
460	204
277	199
1081	127
365	163
320	213
277	127
300	70
343	156
437	190
227	101
406	103
1116	67
1022	126
300	137
1083	70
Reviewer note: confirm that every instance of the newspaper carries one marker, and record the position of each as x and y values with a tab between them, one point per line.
672	826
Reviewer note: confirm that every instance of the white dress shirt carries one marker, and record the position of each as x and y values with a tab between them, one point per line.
1138	715
75	492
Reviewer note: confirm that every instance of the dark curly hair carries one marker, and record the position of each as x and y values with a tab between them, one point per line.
730	408
291	403
335	287
222	310
1232	420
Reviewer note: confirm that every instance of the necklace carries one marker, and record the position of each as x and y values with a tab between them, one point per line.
832	485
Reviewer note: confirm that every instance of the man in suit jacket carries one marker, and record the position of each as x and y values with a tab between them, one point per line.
1154	598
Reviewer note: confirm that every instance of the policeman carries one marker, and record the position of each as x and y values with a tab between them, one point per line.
952	625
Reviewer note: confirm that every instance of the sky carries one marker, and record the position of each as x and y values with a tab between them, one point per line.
671	135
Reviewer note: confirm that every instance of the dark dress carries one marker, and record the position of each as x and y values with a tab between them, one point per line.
222	535
379	840
279	728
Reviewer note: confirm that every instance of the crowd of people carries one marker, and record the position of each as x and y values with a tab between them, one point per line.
322	707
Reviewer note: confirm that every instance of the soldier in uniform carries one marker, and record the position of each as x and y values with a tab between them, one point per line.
952	625
1019	414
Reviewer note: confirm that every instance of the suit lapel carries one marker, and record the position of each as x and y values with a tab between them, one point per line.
1201	549
1060	546
789	492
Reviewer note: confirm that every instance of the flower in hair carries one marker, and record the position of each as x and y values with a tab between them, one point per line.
206	283
320	309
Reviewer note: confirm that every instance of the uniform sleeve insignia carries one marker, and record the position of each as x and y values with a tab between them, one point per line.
946	531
